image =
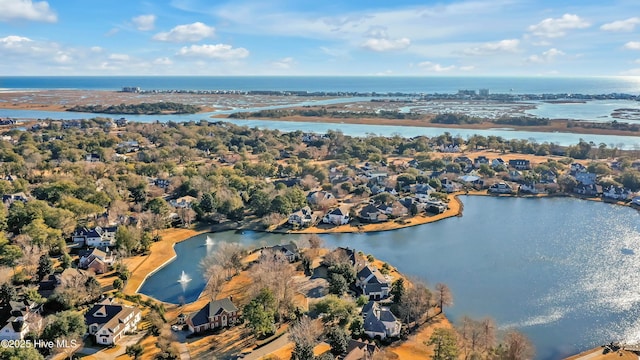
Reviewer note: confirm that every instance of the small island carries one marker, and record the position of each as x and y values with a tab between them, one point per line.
158	108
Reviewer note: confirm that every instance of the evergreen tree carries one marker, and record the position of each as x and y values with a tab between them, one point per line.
338	340
45	266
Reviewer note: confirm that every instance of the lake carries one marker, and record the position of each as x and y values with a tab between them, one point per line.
564	271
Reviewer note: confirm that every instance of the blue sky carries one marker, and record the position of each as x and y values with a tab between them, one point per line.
277	37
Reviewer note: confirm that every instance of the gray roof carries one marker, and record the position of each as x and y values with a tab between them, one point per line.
223	305
212	309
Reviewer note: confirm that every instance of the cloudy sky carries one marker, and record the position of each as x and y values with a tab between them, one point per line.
357	37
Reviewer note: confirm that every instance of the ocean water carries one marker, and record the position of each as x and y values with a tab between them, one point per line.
380	84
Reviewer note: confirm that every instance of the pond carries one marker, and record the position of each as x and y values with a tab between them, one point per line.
564	271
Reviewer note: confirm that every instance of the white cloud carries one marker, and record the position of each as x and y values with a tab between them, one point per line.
285	63
96	49
553	28
13	41
622	25
218	51
384	44
428	65
547	56
467	68
502	46
162	61
62	57
144	22
186	33
632	45
26	10
119	57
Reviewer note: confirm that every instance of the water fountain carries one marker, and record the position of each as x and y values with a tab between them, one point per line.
209	241
184	279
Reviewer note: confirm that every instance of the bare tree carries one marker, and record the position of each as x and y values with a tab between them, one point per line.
337	257
304	334
443	296
517	346
274	272
187	215
228	256
415	303
214	275
476	337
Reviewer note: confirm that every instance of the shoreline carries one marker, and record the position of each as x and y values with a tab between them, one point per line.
556	125
143	270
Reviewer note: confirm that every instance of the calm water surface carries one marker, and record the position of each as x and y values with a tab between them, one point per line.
564	271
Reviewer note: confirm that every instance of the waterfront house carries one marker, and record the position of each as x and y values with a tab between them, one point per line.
96	237
290	251
588	190
108	322
302	217
18	318
520	164
183	202
337	216
501	188
372	283
616	193
435	206
216	314
585	178
371	213
380	322
529	188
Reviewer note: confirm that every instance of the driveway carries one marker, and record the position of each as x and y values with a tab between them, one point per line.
273	346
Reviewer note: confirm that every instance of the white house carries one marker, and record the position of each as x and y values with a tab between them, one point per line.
380	322
616	193
302	217
337	216
109	321
586	178
182	202
528	188
96	237
20	318
501	188
372	283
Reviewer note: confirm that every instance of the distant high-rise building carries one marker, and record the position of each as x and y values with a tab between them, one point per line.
483	92
467	92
